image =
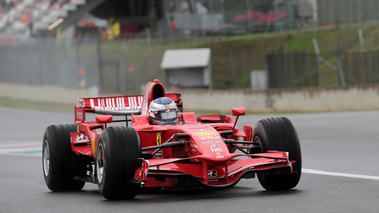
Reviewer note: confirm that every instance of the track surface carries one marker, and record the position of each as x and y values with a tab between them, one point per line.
340	161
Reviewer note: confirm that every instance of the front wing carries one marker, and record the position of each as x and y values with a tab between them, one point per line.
210	175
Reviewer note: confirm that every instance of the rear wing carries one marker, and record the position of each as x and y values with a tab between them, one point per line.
117	105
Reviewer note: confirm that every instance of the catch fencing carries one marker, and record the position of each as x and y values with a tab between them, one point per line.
123	66
42	62
300	69
342	12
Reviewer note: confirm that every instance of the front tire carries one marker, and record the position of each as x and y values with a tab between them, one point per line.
60	164
117	156
279	134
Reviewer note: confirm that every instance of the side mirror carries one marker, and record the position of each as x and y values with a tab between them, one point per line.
104	119
238	111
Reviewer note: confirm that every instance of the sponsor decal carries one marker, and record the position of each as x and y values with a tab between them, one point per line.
159	138
219	155
203	138
204	133
79	115
214	146
212	173
167	106
217	150
93	144
205	142
193	145
81	138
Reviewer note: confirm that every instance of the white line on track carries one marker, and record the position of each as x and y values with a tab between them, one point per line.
339	174
31	148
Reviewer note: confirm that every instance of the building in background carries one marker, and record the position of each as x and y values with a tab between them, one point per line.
188	68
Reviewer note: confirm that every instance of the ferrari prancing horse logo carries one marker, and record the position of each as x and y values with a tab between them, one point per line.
159	138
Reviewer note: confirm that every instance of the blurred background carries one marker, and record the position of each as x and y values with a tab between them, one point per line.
118	45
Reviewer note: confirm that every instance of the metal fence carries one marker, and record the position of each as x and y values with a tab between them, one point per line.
42	62
112	66
347	11
294	69
361	67
238	16
302	69
123	66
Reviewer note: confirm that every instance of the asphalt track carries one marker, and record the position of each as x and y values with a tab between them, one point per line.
340	171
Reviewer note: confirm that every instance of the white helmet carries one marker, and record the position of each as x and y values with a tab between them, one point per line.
163	111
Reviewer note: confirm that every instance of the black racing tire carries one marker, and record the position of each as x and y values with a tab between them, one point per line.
59	163
117	160
279	134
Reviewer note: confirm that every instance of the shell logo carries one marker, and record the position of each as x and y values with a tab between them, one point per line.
93	144
204	133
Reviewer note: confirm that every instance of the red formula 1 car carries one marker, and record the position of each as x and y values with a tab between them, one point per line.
189	151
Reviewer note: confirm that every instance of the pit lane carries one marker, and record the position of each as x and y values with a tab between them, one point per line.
340	164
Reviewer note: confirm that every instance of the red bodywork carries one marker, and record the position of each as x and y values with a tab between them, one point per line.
207	153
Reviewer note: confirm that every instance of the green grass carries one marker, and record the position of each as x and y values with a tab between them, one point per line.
248	52
331	43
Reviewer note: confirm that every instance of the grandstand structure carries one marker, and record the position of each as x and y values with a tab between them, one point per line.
27	18
49	18
43	18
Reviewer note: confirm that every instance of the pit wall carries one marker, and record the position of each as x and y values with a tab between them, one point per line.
299	100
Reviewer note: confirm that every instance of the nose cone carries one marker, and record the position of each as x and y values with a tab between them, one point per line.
211	146
219	159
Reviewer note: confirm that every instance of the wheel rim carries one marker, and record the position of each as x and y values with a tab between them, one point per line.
100	163
258	140
46	158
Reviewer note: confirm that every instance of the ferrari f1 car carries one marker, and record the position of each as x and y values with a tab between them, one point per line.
123	149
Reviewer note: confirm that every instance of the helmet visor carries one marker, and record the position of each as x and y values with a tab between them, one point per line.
166	114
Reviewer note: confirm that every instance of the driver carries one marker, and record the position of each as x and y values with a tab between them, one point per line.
163	111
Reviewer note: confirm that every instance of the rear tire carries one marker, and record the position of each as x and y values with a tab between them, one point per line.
279	134
60	164
117	156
